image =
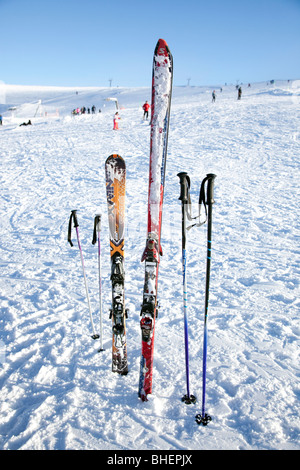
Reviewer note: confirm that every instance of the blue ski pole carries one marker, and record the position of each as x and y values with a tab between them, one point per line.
204	418
185	200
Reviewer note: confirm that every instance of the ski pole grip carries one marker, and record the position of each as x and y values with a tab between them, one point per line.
97	227
98	222
184	185
72	217
210	188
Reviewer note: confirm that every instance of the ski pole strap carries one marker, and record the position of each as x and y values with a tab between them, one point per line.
97	227
202	199
207	199
73	217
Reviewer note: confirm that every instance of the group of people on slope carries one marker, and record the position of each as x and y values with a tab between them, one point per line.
77	111
146	107
83	110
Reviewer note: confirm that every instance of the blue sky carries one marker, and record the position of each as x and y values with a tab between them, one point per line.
88	42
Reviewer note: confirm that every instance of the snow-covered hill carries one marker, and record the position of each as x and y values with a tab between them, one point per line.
57	391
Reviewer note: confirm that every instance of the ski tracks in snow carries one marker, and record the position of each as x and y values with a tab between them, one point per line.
57	391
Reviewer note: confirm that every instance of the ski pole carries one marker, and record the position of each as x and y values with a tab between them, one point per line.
204	418
73	217
185	199
97	230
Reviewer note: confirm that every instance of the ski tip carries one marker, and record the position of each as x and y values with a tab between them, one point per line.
115	161
114	156
162	48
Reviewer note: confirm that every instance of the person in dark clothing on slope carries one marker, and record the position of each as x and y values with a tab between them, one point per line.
26	123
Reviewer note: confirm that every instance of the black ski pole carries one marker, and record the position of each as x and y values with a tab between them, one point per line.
204	418
185	200
73	217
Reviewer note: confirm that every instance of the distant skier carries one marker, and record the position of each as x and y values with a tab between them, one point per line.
0	120
93	109
26	123
239	93
213	96
146	107
116	119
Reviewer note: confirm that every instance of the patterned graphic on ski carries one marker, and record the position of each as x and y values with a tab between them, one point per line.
162	74
115	173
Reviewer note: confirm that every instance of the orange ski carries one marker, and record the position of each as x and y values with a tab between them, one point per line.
115	173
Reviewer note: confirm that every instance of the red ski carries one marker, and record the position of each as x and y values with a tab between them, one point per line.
162	75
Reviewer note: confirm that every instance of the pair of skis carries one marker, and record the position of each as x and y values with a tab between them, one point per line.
162	77
115	173
162	74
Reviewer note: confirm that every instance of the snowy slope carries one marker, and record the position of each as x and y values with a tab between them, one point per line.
57	391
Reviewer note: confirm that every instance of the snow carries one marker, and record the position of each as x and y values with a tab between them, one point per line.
57	391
